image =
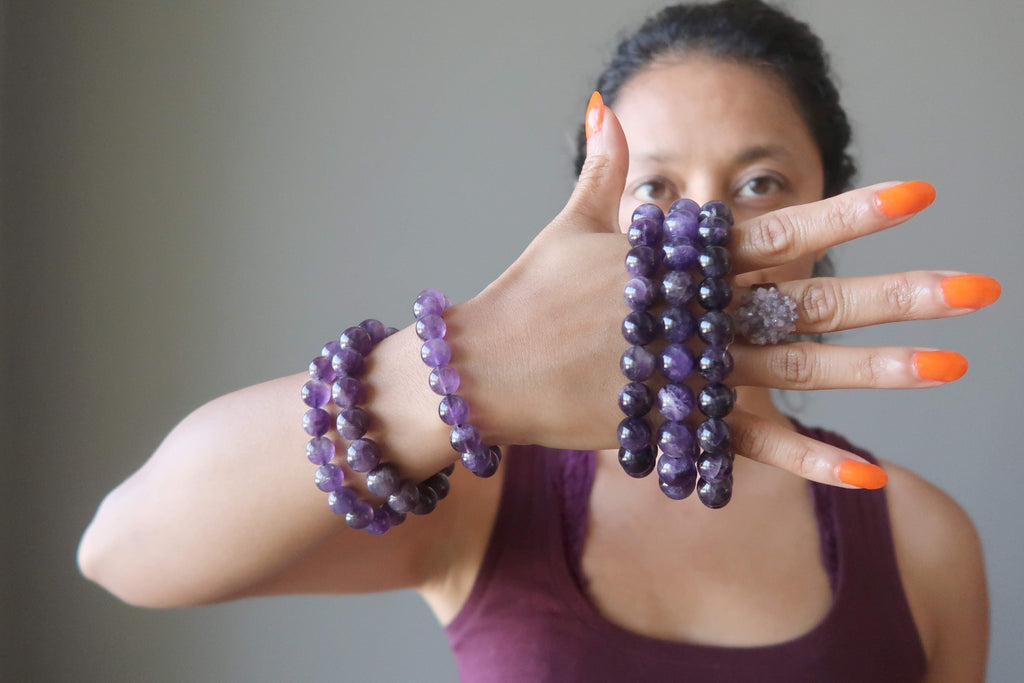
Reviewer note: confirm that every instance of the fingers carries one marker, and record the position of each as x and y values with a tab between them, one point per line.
806	366
832	304
781	236
765	441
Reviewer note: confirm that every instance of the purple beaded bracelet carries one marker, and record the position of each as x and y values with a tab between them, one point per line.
479	458
335	377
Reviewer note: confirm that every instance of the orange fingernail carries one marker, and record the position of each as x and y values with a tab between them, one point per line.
595	115
940	366
862	474
905	198
970	291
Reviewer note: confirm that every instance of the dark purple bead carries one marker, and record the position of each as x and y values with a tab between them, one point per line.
329	477
380	522
716	328
453	410
383	480
476	460
634	433
637	462
643	261
353	422
431	327
681	224
394	517
448	469
645	232
464	437
679	254
678	324
342	500
357	339
640	293
678	287
490	463
427	502
316	421
712	466
360	516
677	470
405	498
320	450
714	434
714	293
320	368
436	352
330	348
363	455
391	330
444	380
684	204
717	208
715	363
348	392
637	363
715	494
640	328
676	362
675	492
375	329
348	362
440	484
716	400
676	401
676	438
714	231
636	399
426	305
315	393
714	261
648	211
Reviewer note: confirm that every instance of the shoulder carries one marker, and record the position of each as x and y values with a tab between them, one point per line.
940	560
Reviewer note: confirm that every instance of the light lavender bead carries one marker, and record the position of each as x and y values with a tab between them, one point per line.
678	287
315	393
431	327
321	368
342	500
348	392
444	380
316	421
380	522
436	352
453	410
360	516
676	401
464	437
330	348
435	294
353	422
320	450
363	455
348	362
375	329
426	305
676	362
329	477
357	339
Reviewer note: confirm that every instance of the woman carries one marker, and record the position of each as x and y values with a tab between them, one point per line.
561	567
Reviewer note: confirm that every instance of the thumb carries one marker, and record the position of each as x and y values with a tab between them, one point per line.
594	204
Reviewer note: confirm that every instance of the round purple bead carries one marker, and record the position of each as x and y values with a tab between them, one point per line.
678	324
330	348
375	329
329	477
383	480
714	434
648	211
341	500
363	455
715	363
634	433
676	438
348	392
712	466
440	484
348	362
431	327
638	462
380	523
640	328
676	401
716	400
395	518
436	352
491	464
636	399
426	305
676	362
681	224
360	516
315	393
427	501
637	363
643	261
464	437
316	421
645	232
677	471
353	422
678	287
680	254
640	293
453	410
321	368
684	204
436	294
714	293
714	261
715	494
716	328
405	498
714	231
444	380
357	339
320	450
718	208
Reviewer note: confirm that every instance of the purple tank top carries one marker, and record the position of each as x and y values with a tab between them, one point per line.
528	618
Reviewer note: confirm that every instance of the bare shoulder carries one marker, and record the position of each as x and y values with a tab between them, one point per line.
940	559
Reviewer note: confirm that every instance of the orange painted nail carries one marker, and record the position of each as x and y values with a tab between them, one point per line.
595	115
970	291
940	366
905	198
862	474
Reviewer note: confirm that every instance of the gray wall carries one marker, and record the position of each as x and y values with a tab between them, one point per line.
197	194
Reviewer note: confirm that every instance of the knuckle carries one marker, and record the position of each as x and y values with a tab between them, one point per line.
842	217
773	235
796	365
823	303
899	294
870	369
802	461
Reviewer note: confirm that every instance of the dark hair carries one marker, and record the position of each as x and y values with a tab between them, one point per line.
749	32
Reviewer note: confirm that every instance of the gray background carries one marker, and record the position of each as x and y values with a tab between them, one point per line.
197	194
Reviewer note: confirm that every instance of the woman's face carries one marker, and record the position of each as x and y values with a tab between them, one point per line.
710	129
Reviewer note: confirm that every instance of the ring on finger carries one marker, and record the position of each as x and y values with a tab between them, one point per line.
766	315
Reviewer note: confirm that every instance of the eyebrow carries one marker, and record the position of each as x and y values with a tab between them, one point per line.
746	156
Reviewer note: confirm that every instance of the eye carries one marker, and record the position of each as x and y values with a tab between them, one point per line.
655	190
761	186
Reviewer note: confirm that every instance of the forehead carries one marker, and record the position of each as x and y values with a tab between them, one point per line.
695	106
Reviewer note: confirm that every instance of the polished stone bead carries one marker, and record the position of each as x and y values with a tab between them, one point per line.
715	363
448	469
427	501
436	352
637	363
640	293
394	517
440	484
677	438
329	477
380	523
684	204
718	208
353	422
678	324
716	400
675	492
637	462
713	466
341	500
321	368
714	231
715	494
431	327
464	437
453	410
678	287
348	392
640	328
643	261
363	455
677	471
405	498
636	399
634	433
348	362
444	380
357	339
490	464
315	393
383	480
676	362
316	421
391	330
320	450
681	224
716	328
714	293
426	305
648	211
714	434
436	294
714	261
360	516
676	401
375	329
645	232
680	254
330	348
